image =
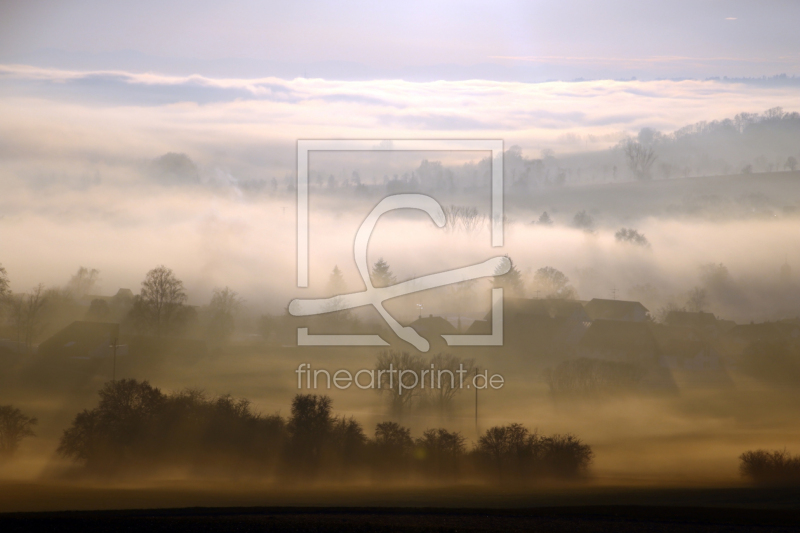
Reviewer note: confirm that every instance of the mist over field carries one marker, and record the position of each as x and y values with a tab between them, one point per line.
148	258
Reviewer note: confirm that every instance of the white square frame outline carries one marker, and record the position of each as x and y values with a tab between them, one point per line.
304	146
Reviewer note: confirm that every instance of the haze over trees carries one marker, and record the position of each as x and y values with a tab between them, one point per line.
631	236
511	282
158	306
382	275
549	282
224	306
14	426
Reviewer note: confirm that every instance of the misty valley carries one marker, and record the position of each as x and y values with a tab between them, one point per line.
650	321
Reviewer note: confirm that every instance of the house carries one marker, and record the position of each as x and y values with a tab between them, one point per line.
433	327
84	340
600	309
544	327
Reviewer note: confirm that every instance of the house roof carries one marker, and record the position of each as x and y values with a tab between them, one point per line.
435	325
599	308
547	307
80	339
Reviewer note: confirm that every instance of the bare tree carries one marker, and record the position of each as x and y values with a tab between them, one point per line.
465	219
402	388
161	296
697	299
26	315
445	371
640	159
82	282
225	304
14	426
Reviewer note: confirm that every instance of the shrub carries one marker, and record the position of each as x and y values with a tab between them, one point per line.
513	452
775	467
137	426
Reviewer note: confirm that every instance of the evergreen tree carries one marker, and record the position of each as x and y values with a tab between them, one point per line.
510	282
382	275
545	220
336	284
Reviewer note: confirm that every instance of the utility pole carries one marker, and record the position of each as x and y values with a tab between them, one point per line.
474	384
114	367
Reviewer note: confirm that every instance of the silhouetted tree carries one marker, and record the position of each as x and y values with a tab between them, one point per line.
336	284
381	274
82	282
511	282
441	452
770	468
26	315
565	456
348	443
310	428
14	426
392	448
696	300
159	301
640	159
392	363
552	283
512	450
791	163
631	236
545	220
225	304
446	382
136	427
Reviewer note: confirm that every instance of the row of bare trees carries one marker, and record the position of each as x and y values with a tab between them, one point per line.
136	428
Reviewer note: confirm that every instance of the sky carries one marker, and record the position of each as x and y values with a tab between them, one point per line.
509	40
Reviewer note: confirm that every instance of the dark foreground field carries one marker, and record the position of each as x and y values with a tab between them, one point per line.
242	509
547	519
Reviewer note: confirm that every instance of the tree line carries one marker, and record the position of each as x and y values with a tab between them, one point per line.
137	428
159	308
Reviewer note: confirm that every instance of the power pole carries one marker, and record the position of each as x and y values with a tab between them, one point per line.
114	367
474	384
